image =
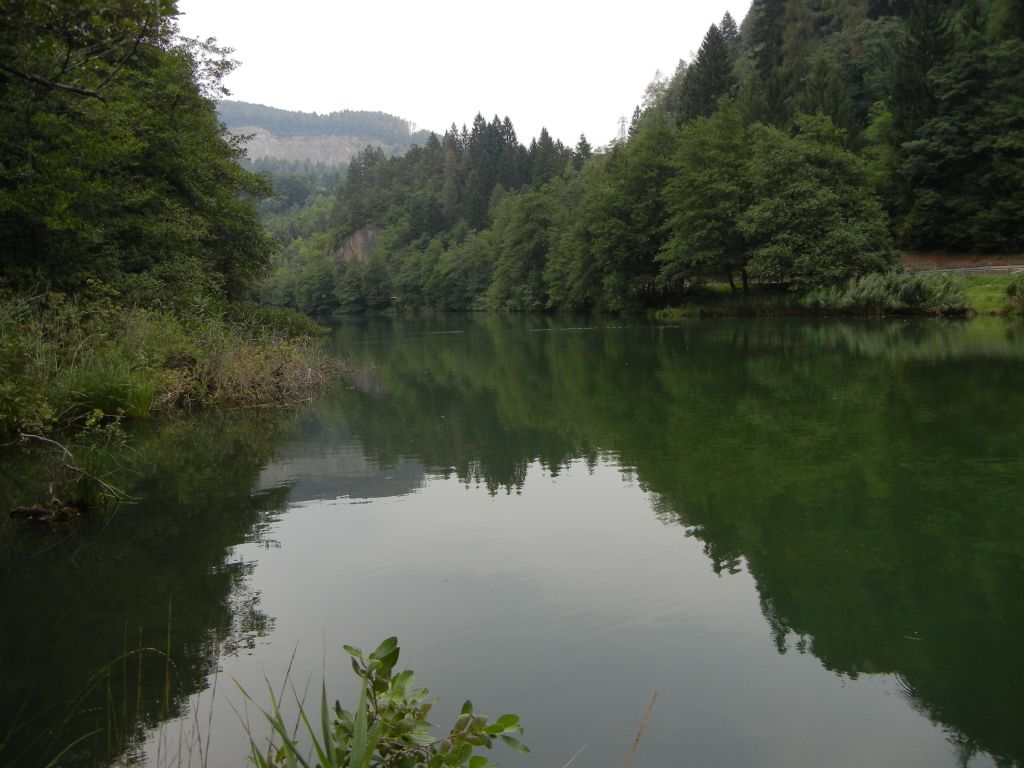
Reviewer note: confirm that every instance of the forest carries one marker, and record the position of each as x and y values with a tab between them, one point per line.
386	128
801	149
130	239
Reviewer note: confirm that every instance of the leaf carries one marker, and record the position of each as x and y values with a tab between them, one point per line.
517	745
359	733
401	681
421	735
467	708
351	650
385	648
507	721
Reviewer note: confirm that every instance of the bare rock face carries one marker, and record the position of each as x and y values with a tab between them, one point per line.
330	149
359	245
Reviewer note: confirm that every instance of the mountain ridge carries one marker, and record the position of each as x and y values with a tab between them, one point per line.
332	139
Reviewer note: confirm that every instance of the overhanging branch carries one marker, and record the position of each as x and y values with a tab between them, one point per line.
29	77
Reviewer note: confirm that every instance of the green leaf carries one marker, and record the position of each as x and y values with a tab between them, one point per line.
351	650
386	648
517	745
359	733
421	735
507	721
467	708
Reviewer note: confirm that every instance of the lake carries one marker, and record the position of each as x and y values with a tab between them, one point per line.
806	536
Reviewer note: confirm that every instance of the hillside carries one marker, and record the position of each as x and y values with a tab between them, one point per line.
332	139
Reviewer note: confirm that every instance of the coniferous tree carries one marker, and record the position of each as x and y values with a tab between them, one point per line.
634	123
730	31
708	79
767	31
582	153
964	166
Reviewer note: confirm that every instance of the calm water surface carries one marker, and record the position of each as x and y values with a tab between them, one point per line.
807	537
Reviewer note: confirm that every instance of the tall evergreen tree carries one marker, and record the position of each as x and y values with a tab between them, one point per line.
730	31
582	152
767	30
708	79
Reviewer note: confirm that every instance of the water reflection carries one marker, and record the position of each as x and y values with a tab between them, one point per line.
868	475
858	482
111	623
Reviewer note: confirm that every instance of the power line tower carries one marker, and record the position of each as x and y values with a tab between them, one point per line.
622	128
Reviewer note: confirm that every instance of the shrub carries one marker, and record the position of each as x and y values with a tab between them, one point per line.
1015	291
892	292
388	728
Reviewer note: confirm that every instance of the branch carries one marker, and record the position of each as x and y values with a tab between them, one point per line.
68	462
50	83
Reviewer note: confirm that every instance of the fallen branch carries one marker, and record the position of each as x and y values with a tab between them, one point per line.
68	462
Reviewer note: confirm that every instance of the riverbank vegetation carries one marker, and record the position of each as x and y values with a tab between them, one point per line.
130	238
801	149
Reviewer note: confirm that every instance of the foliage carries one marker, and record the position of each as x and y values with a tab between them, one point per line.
814	219
66	359
799	148
387	729
113	160
706	198
994	294
1015	291
893	292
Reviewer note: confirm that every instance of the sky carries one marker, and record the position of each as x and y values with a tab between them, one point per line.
572	67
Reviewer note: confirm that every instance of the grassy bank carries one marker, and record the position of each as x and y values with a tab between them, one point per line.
896	293
66	362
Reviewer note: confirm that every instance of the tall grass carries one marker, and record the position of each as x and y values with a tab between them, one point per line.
64	359
892	293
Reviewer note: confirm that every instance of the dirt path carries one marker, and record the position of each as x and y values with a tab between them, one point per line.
962	263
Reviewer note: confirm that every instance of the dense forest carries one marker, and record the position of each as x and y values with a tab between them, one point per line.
129	234
801	148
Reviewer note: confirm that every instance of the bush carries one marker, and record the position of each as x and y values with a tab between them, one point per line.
388	728
1015	291
892	292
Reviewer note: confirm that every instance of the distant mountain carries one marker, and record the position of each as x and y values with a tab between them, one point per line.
331	139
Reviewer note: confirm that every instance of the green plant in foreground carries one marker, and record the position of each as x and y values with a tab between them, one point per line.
388	729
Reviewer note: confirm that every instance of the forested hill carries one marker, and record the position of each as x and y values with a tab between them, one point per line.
801	149
332	138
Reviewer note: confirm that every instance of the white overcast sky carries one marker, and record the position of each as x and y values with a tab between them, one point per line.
574	67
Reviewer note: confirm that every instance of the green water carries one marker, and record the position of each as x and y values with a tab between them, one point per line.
807	537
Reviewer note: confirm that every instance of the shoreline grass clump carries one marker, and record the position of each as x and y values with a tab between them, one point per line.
880	293
64	359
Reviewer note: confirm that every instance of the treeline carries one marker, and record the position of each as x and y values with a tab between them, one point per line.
381	126
799	149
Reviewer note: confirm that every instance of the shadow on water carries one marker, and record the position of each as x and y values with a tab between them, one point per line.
867	475
110	623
